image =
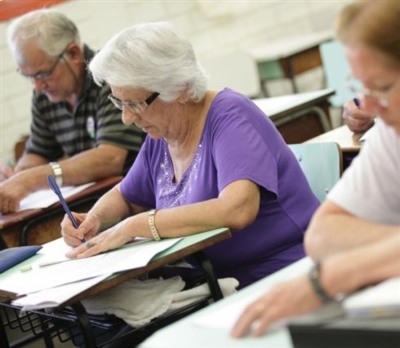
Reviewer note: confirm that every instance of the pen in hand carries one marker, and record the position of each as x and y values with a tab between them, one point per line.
357	103
57	191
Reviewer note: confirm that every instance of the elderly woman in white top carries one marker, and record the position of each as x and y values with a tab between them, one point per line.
355	234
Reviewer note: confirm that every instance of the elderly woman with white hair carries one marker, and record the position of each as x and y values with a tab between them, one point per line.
210	159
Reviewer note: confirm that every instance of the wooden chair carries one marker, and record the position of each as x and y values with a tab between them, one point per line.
321	163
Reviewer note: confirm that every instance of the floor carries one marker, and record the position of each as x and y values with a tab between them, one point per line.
15	334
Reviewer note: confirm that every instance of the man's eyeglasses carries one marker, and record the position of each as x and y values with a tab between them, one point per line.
46	74
382	96
137	107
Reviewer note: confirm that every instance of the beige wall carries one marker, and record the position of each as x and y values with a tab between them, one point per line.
214	27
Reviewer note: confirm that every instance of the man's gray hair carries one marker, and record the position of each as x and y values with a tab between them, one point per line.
52	31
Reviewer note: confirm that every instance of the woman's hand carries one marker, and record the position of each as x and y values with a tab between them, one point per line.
356	119
284	300
89	226
109	239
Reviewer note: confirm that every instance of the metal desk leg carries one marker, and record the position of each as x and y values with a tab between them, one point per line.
208	269
84	325
3	336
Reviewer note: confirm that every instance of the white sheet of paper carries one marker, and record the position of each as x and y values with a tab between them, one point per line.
379	300
226	316
55	296
45	198
37	279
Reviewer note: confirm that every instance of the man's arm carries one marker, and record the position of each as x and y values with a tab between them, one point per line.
333	229
94	164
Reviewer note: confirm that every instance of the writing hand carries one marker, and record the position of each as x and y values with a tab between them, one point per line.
356	118
74	236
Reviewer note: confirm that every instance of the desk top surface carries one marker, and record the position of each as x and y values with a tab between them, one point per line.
14	218
282	105
287	47
183	248
347	140
185	332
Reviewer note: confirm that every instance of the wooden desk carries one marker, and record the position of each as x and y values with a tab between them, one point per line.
288	57
299	117
187	246
348	141
44	224
183	333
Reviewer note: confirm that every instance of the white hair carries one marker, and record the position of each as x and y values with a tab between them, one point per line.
151	56
52	31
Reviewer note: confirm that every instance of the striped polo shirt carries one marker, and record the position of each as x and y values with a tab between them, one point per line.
57	131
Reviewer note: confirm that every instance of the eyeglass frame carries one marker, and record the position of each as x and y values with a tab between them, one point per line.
381	96
137	107
45	75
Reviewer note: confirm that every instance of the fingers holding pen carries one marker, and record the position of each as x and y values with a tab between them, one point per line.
357	119
75	236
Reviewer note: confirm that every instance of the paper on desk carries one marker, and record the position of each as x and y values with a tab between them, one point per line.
53	297
45	198
226	316
122	259
380	300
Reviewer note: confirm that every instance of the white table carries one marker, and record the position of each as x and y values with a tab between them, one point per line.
299	117
185	333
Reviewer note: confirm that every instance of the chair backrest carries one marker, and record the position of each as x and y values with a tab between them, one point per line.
236	70
321	163
336	69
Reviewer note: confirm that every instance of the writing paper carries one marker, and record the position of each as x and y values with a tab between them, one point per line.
128	257
381	300
53	297
45	198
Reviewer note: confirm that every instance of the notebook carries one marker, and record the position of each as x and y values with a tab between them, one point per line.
12	256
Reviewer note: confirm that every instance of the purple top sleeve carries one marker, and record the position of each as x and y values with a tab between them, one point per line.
238	142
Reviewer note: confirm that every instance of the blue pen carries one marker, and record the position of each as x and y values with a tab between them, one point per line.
357	102
57	191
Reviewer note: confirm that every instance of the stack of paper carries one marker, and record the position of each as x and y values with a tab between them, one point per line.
381	300
33	280
45	198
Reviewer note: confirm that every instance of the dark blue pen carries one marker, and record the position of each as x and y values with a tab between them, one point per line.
357	102
57	191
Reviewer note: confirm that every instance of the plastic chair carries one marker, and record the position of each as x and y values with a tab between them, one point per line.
236	70
336	70
321	163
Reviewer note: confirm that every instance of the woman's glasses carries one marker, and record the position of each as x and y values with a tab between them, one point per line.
381	95
137	107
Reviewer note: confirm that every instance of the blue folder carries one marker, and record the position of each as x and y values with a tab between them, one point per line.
12	256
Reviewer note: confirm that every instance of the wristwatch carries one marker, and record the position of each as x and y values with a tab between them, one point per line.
57	171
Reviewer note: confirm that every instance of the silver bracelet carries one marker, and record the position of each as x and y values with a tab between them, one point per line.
57	171
152	225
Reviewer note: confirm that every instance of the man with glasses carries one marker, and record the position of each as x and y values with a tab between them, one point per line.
76	132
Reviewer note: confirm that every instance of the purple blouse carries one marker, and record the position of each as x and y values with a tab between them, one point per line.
239	142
